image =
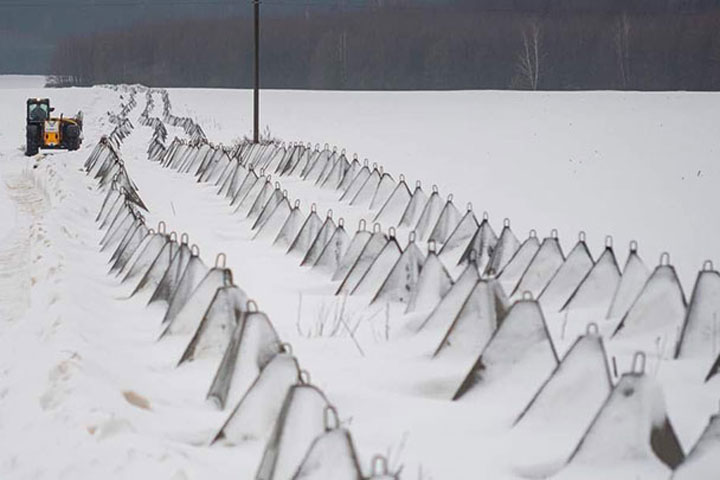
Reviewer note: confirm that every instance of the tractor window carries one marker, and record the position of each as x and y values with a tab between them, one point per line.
38	112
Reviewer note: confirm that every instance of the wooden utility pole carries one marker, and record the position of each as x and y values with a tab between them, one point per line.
256	92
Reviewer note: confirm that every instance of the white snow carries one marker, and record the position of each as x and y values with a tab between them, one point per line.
87	392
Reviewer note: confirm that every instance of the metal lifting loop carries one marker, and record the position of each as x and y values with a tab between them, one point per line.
195	251
506	222
707	266
161	226
527	295
285	347
638	364
391	232
418	184
173	236
330	418
304	377
227	277
533	233
412	236
633	246
469	207
366	162
362	225
402	178
285	193
582	236
329	213
277	185
297	203
432	246
379	465
450	198
593	329
220	260
472	256
184	238
608	241
665	259
377	228
252	306
435	189
313	208
554	233
341	222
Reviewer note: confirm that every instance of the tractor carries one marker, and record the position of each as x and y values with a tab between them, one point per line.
45	131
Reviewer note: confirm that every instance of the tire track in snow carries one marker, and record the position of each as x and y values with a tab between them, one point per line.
16	253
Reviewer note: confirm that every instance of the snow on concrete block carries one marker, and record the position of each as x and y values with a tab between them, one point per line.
631	437
320	241
473	326
566	280
552	424
660	308
703	460
170	280
331	456
415	207
153	275
215	329
634	276
251	178
385	189
364	196
510	275
257	411
367	256
290	229
186	320
701	329
515	362
433	284
301	421
378	271
596	290
430	214
403	278
264	204
356	184
446	222
503	251
481	244
542	267
278	196
336	174
195	272
334	250
308	232
357	244
253	345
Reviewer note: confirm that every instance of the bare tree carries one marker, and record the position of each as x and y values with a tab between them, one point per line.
530	56
621	39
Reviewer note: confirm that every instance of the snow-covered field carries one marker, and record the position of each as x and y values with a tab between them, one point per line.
87	391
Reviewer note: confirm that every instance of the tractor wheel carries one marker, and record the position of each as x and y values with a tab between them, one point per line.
32	140
71	137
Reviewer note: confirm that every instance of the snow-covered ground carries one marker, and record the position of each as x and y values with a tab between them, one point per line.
74	353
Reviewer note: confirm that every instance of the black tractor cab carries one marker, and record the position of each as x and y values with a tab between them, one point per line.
38	110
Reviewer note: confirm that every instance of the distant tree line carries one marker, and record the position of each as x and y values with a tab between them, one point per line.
550	45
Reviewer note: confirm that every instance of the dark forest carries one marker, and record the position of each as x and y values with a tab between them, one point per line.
544	45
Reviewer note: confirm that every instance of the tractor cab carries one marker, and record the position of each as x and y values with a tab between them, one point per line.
38	110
